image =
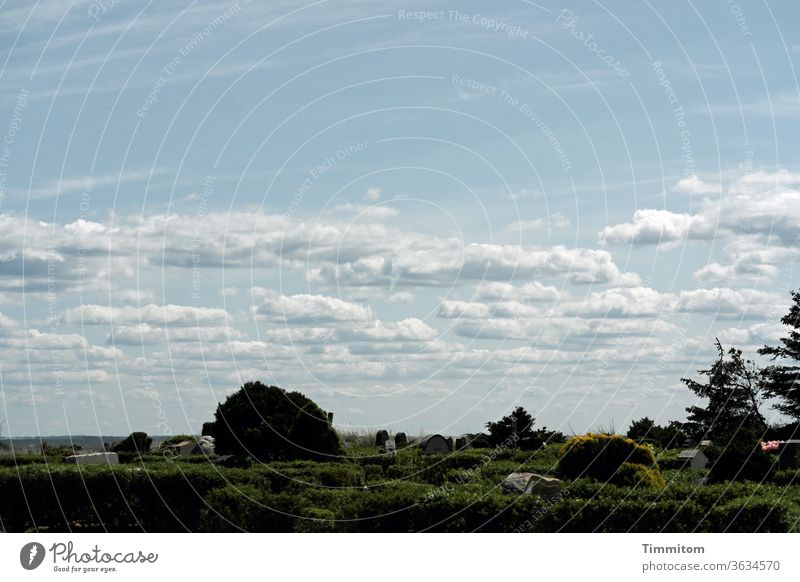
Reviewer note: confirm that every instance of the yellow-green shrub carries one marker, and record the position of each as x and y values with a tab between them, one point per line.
602	456
636	475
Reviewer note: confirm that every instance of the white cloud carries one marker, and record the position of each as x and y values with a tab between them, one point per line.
695	186
178	315
761	206
464	310
146	334
311	309
534	291
373	194
651	226
746	303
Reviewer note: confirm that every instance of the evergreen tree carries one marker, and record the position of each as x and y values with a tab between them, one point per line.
731	418
783	381
733	394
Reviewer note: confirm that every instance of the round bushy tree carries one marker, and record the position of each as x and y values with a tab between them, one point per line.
136	442
269	423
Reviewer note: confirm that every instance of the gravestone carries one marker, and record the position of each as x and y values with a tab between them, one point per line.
434	444
531	484
449	443
693	459
389	447
381	437
461	443
400	440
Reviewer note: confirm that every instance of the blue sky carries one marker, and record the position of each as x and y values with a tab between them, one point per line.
419	214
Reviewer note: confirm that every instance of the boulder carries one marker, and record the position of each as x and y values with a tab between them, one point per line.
531	484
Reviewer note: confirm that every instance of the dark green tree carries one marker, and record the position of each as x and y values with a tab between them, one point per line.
732	418
136	442
502	430
783	380
269	423
733	393
527	438
642	430
646	430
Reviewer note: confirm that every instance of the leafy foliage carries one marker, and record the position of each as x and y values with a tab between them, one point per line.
646	430
136	442
602	456
528	439
783	380
733	392
731	418
407	492
269	423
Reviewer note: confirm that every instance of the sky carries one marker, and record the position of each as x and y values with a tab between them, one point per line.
419	214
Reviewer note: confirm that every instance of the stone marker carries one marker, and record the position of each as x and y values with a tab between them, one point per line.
389	447
381	437
461	443
400	440
449	443
434	444
93	459
531	484
693	459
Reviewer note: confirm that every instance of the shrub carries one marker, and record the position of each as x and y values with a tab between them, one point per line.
136	442
741	460
268	423
601	456
636	475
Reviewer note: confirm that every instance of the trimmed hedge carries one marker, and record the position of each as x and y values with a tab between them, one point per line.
461	493
118	498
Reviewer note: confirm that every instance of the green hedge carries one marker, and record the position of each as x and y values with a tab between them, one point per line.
377	496
120	498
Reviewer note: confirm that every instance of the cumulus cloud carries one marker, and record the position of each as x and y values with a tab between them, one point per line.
762	209
311	309
695	186
651	226
177	315
744	303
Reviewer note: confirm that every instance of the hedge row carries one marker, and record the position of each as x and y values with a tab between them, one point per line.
338	497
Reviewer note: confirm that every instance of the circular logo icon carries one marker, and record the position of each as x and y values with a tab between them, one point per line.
31	555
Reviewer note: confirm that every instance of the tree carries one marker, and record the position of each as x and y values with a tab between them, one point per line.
731	419
269	423
527	439
646	430
783	381
734	395
641	430
501	431
136	442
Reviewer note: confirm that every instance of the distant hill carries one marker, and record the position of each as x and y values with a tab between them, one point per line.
86	442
